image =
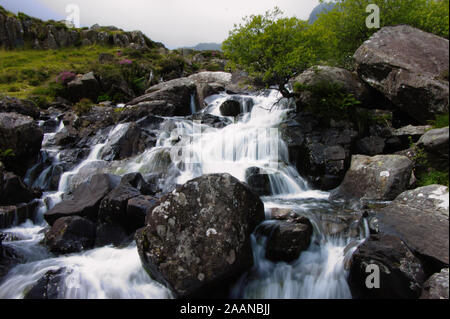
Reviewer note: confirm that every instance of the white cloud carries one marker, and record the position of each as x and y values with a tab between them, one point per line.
178	22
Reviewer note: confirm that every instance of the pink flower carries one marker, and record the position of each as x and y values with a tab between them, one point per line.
125	61
65	77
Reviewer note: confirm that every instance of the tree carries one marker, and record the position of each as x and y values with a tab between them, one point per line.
270	48
347	22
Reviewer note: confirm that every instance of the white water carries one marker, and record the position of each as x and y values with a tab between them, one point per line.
251	141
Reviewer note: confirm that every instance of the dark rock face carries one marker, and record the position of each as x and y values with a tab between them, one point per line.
48	286
110	234
24	107
86	199
15	33
288	239
127	142
20	134
258	181
70	235
14	191
420	219
146	108
209	83
85	86
382	177
113	208
230	108
8	257
371	145
347	81
176	92
437	286
401	273
17	214
407	66
321	153
198	239
435	143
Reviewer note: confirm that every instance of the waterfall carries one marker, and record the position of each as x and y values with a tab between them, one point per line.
185	150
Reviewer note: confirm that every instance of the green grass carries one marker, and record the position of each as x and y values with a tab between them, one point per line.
440	121
433	176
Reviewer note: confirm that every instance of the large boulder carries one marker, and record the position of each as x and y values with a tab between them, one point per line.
197	241
17	214
420	218
177	92
258	181
379	178
348	82
209	83
287	239
84	86
435	143
321	153
70	235
127	140
48	286
408	66
24	107
437	286
86	199
20	134
401	274
14	191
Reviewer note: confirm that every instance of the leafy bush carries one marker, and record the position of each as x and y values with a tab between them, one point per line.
328	100
6	153
440	121
83	106
433	176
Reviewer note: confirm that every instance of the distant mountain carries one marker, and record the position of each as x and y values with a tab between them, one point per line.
208	46
323	7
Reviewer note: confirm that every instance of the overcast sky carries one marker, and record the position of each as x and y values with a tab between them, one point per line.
175	23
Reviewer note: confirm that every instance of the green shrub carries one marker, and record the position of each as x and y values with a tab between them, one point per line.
328	100
431	177
103	98
6	153
83	106
440	121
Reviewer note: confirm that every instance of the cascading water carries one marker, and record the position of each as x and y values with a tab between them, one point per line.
185	150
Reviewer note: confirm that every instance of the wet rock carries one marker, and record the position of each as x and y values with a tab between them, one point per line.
177	92
401	274
14	191
127	141
419	218
370	145
209	83
14	105
84	86
138	207
8	257
288	239
437	286
17	214
407	66
382	177
230	108
86	199
258	181
321	153
208	119
70	235
20	134
197	241
347	81
48	286
110	234
113	208
145	108
435	143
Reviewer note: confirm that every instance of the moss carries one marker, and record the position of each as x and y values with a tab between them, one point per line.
441	120
83	106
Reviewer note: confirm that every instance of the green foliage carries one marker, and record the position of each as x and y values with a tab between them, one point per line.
328	100
103	98
269	47
433	176
83	106
345	25
6	153
440	121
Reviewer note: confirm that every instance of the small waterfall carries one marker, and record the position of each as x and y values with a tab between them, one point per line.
185	150
193	104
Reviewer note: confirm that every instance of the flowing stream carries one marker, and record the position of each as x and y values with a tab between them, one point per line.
185	150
